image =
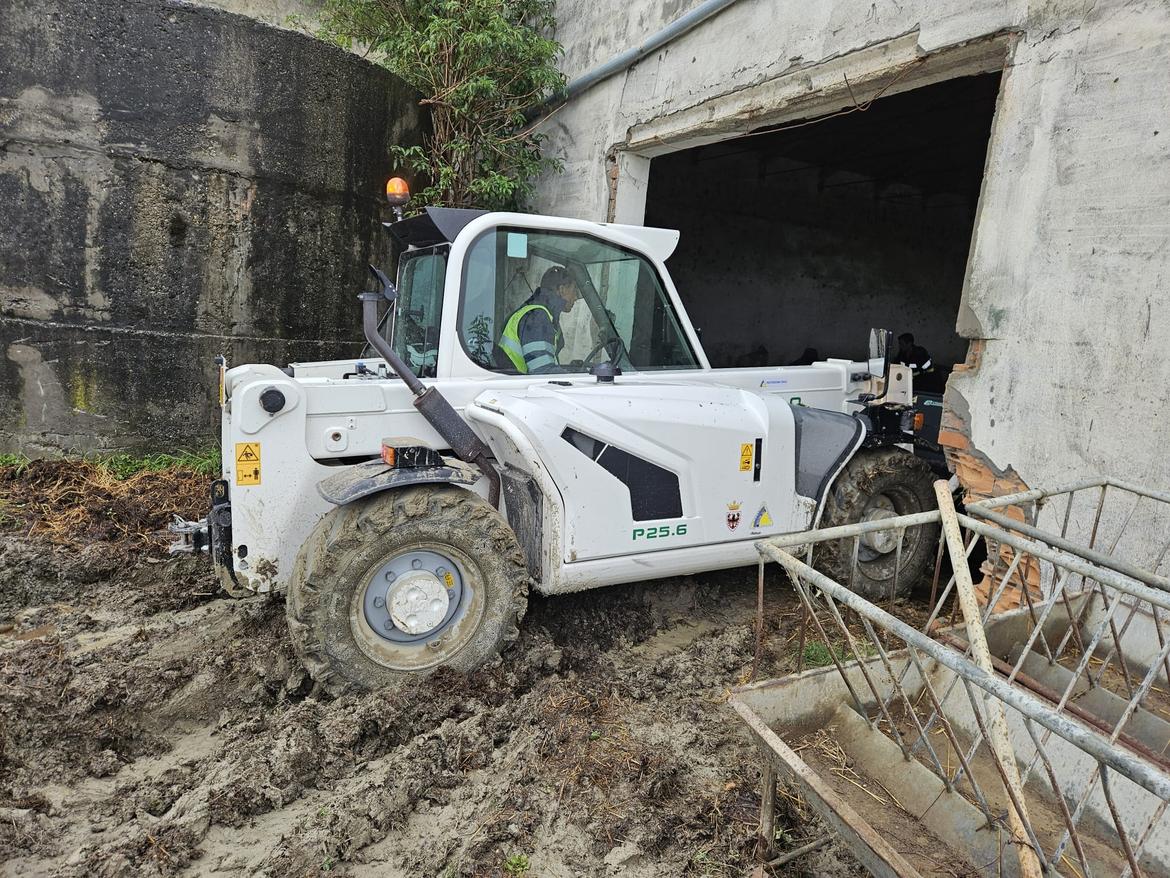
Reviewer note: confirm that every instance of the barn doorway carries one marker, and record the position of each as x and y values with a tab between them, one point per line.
796	241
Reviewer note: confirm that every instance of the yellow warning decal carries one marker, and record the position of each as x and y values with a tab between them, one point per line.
247	463
448	579
745	457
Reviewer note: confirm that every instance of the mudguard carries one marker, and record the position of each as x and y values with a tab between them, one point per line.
825	442
364	479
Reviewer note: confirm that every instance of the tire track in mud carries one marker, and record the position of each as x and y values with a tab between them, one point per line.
152	729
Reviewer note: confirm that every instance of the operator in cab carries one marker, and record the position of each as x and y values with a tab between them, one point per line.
532	337
913	355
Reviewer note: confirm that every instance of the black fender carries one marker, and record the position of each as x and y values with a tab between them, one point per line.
825	442
373	477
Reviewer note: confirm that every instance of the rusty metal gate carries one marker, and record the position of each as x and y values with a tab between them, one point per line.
1079	676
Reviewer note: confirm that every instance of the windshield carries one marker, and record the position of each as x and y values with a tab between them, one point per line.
536	301
412	327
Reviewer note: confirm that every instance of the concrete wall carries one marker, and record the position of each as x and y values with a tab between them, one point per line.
1065	299
177	182
279	13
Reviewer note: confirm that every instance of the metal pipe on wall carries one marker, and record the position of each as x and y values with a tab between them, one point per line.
627	59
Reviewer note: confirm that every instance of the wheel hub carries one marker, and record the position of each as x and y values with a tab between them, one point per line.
414	597
880	541
418	602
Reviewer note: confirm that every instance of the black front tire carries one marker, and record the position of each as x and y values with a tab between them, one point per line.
324	606
878	483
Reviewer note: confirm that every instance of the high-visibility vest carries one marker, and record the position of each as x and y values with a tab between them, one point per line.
510	342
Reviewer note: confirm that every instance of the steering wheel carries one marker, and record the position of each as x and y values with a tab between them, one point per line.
614	346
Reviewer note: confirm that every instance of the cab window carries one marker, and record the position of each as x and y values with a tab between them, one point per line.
594	302
412	328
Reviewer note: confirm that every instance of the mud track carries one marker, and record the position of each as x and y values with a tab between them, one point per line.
149	726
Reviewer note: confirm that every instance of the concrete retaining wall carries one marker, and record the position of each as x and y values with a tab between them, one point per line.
175	182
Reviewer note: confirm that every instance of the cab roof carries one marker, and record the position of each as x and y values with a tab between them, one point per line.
435	225
442	225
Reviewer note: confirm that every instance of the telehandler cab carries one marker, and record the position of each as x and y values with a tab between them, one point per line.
407	502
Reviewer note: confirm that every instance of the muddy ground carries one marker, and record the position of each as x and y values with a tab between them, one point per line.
151	726
155	727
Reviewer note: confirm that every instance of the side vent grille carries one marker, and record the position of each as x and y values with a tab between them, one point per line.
654	491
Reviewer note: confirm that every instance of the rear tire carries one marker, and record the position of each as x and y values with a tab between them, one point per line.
880	483
440	549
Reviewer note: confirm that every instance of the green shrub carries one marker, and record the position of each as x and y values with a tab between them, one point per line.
479	65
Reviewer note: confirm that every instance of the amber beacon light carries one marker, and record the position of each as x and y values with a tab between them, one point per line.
397	192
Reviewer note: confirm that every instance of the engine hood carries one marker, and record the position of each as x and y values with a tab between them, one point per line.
651	466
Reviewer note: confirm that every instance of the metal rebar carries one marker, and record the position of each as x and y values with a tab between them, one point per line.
905	700
1058	794
1073	563
801	538
1122	835
1154	820
1052	696
1089	554
804	596
999	740
934	581
949	731
1009	775
1035	494
759	622
861	666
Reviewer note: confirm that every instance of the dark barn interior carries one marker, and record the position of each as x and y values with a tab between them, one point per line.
804	237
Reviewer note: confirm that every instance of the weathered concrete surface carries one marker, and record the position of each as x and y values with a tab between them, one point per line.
176	182
280	13
1070	261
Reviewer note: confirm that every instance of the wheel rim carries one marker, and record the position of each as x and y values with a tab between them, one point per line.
877	551
417	607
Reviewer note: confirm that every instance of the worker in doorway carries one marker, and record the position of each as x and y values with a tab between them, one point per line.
532	337
913	355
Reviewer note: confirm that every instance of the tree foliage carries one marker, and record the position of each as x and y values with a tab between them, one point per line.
479	64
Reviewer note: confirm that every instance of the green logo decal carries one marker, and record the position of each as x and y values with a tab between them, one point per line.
662	530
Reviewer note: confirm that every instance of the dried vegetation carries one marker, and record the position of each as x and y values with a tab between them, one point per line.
120	502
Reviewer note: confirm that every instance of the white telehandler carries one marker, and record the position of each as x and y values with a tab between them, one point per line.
408	501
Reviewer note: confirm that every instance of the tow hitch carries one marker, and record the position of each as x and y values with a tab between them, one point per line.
212	533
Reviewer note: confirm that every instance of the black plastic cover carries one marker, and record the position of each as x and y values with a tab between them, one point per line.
435	225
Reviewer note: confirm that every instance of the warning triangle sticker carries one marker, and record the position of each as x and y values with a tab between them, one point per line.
248	454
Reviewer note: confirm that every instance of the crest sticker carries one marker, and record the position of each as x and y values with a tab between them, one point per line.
733	509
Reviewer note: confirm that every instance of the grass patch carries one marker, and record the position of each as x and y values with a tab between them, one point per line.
205	462
13	461
516	866
818	654
124	465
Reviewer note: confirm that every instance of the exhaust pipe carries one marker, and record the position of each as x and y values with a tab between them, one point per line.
430	403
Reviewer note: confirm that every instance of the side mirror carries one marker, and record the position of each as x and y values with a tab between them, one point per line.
881	349
386	287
